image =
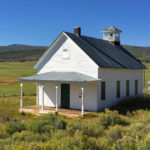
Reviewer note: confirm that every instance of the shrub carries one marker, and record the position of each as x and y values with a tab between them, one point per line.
93	130
55	121
111	118
49	117
34	146
146	141
8	128
126	143
63	144
60	124
28	136
46	124
7	119
37	126
133	104
115	133
93	144
73	126
137	129
59	134
3	131
23	113
86	143
16	126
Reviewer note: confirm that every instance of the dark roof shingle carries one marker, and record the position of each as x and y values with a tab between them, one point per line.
105	54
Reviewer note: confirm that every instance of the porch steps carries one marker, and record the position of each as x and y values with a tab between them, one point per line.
45	111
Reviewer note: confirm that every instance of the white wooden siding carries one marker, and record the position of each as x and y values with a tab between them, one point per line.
90	95
110	76
78	60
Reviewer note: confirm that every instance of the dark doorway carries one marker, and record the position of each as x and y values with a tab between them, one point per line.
65	95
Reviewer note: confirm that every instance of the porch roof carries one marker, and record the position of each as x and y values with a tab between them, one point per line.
59	76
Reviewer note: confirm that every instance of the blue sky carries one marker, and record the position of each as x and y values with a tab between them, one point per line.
39	22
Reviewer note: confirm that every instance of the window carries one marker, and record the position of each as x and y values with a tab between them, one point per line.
136	87
127	88
118	89
65	54
103	86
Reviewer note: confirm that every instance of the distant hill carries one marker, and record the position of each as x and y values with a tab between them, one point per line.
20	47
139	52
19	52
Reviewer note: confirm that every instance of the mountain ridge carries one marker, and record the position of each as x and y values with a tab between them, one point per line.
22	52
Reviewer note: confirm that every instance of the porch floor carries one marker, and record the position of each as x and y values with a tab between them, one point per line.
36	110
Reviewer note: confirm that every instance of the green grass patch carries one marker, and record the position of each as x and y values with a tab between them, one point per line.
9	72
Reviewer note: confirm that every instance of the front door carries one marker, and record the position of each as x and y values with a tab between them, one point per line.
65	95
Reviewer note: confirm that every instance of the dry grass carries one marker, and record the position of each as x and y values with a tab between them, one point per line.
8	80
9	106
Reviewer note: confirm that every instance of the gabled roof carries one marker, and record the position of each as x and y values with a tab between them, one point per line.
111	29
59	76
105	54
102	52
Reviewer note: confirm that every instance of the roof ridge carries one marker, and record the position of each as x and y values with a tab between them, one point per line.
86	36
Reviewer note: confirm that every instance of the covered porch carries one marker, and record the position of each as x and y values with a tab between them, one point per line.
56	79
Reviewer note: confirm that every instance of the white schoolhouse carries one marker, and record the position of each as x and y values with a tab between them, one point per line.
86	73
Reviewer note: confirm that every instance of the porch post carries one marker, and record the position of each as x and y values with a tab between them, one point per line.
42	96
82	102
56	97
37	93
21	95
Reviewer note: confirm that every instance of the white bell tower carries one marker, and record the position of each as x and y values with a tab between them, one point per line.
112	34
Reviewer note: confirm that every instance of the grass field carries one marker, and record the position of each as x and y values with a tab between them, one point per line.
10	88
9	72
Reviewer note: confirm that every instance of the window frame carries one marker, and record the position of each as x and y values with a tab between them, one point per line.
127	88
103	90
136	87
118	88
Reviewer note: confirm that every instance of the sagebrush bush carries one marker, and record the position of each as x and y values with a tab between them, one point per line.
35	146
28	136
59	134
114	133
3	131
60	124
93	144
127	143
7	119
46	124
38	126
83	142
111	118
146	141
15	126
92	130
49	117
73	126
